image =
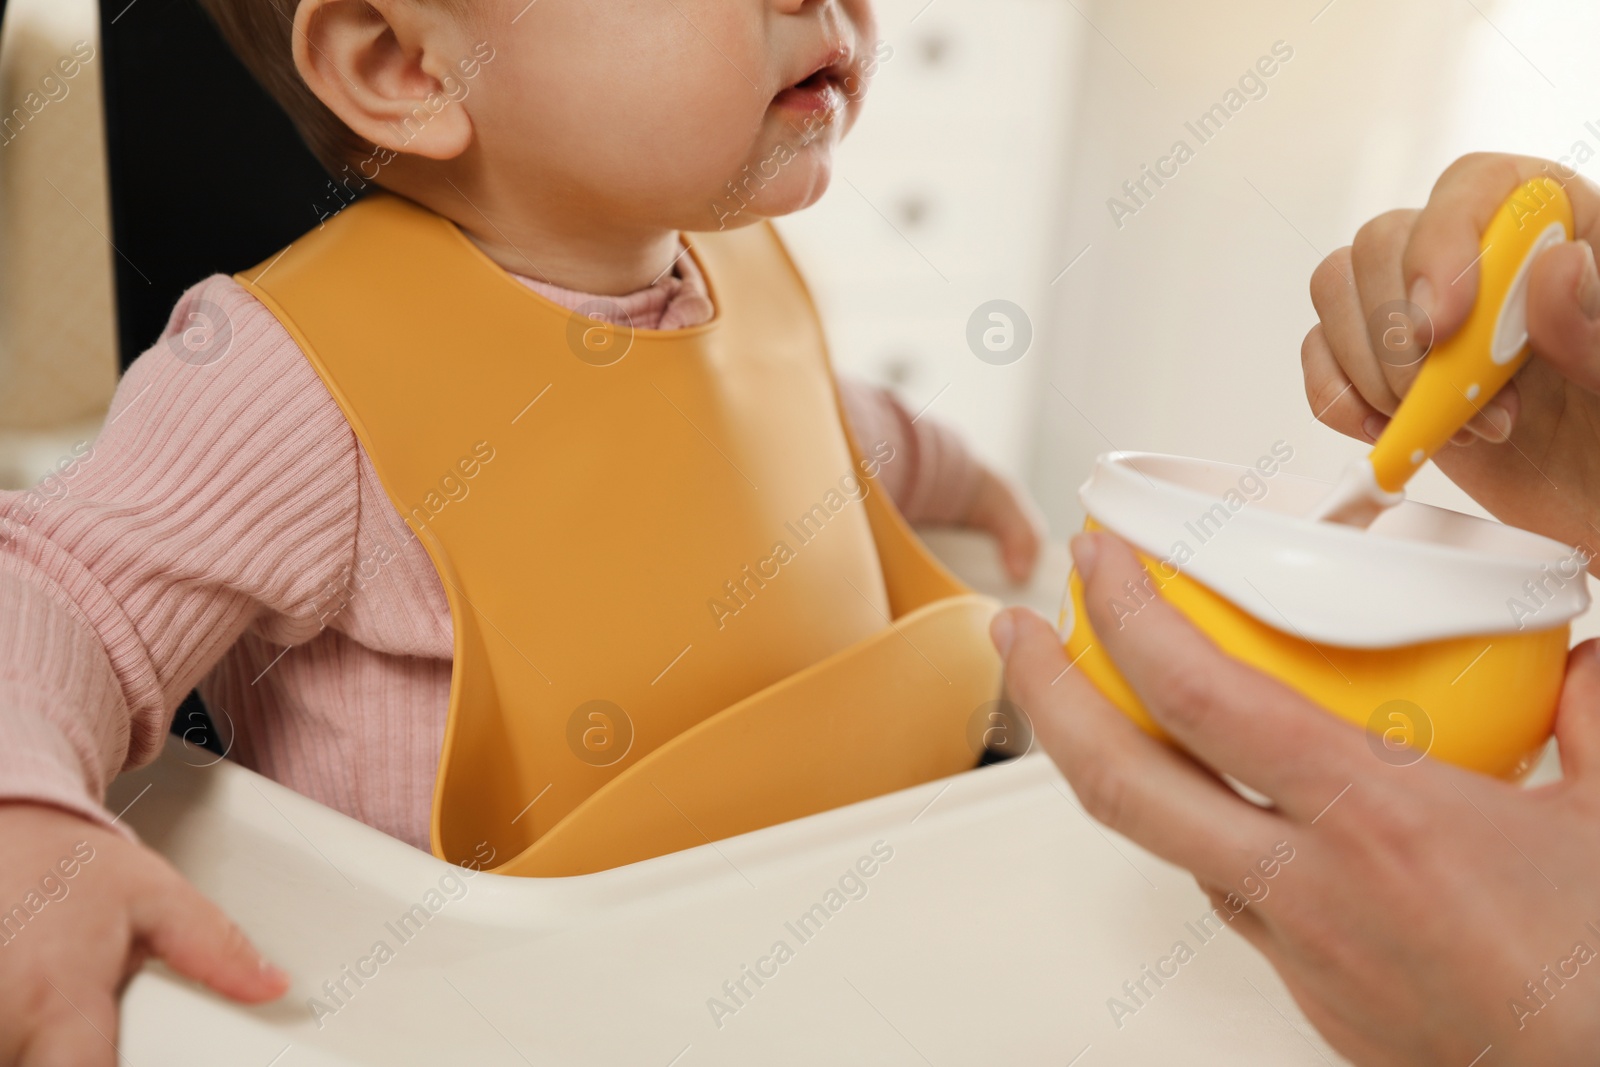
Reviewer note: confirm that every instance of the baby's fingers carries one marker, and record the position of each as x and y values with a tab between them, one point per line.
1007	513
79	1030
197	940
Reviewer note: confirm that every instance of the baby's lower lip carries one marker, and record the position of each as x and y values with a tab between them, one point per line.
820	97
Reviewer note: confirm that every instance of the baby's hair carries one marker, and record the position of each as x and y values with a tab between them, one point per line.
261	34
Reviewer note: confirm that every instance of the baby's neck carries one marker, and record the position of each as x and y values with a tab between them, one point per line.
553	243
586	263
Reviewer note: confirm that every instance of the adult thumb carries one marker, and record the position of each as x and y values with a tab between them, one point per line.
1032	651
195	938
1564	312
1578	719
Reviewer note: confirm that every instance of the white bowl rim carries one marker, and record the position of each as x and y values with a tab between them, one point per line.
1321	581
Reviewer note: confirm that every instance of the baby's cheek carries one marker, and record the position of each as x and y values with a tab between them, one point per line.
634	72
665	105
708	130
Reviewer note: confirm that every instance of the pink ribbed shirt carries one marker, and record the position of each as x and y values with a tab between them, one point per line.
221	532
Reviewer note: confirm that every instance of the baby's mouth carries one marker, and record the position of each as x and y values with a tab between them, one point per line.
820	94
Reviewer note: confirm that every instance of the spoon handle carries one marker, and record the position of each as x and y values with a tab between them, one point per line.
1465	370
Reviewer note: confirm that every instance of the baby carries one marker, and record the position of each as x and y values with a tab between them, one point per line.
230	529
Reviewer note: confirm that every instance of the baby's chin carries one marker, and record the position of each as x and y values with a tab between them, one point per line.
766	189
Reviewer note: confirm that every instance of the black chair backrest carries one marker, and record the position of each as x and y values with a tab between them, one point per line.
206	173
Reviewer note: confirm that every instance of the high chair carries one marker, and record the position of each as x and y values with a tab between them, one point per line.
978	918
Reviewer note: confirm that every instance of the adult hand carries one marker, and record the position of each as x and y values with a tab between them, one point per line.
1421	900
1536	463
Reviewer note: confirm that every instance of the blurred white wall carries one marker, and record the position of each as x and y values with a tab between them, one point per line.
1180	331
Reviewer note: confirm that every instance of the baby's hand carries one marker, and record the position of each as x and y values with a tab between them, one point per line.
1536	463
1007	513
69	943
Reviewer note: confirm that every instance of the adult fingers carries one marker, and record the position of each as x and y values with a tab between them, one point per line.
1440	261
1233	718
1236	913
1398	333
1333	397
1338	305
1393	335
198	941
1125	778
1564	312
1578	718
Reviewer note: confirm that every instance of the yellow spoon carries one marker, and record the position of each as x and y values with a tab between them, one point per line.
1460	374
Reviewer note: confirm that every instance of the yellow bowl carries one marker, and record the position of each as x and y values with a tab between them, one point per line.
1411	629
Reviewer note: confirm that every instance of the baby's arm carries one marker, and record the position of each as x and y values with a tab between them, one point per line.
935	479
221	494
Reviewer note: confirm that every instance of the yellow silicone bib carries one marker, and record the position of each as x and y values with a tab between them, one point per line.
683	607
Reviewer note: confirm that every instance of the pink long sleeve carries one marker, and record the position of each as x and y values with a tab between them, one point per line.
934	476
218	497
226	530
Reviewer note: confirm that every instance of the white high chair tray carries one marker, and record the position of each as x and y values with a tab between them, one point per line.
996	934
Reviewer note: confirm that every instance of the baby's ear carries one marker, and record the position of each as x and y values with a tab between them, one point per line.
388	70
